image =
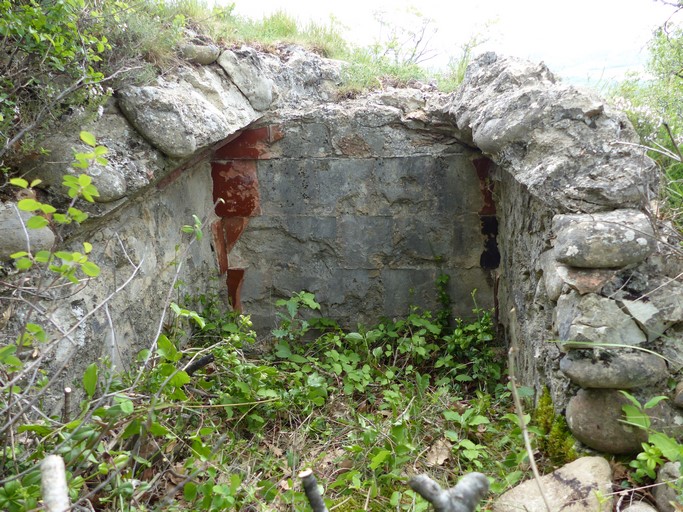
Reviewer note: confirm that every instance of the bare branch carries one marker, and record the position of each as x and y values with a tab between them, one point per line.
464	497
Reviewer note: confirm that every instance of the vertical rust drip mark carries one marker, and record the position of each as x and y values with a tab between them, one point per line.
235	181
490	256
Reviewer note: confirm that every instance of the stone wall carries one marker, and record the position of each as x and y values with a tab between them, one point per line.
351	205
516	183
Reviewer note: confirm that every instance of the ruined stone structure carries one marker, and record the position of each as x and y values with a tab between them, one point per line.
524	188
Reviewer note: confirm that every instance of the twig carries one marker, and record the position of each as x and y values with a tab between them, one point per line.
53	484
464	497
67	405
312	492
518	406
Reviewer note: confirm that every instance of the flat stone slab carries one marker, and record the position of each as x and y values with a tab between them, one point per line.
572	488
613	369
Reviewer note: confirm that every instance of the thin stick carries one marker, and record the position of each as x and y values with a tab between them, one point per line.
67	405
518	406
312	492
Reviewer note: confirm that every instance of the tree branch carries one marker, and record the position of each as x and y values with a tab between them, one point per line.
464	497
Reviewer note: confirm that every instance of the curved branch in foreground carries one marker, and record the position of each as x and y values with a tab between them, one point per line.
464	497
53	484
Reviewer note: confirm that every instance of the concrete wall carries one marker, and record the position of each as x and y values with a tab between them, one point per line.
329	209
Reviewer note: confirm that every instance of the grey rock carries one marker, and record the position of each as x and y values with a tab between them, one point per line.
572	488
556	140
180	118
244	69
594	318
603	240
641	506
660	308
668	488
678	395
584	280
594	418
13	235
615	369
200	53
551	275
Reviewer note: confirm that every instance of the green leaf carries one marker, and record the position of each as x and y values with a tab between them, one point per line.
667	445
654	401
29	205
90	269
19	182
179	379
379	459
42	256
19	254
166	349
90	380
37	222
23	264
41	430
126	405
88	138
100	150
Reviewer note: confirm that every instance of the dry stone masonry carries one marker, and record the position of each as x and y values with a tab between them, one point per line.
522	187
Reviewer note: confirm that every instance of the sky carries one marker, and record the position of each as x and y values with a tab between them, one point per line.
589	42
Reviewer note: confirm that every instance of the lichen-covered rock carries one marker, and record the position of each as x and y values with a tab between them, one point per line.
181	117
572	488
591	317
613	369
14	236
559	142
603	240
245	70
594	418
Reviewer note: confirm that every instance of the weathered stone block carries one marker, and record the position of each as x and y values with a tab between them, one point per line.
245	70
594	318
603	240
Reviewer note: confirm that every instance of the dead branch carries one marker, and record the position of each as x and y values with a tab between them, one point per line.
464	497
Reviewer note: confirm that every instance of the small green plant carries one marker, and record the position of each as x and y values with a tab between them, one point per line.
554	440
659	447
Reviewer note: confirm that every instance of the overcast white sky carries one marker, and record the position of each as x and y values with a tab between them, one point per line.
581	40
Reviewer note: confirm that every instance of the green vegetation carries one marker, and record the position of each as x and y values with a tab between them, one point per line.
64	55
653	102
658	449
217	425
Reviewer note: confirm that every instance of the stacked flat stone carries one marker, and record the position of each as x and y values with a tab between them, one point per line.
606	318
